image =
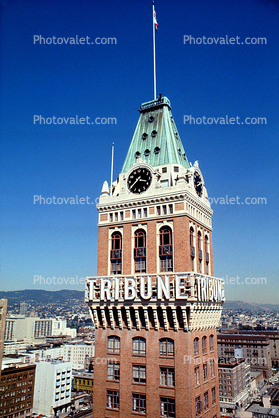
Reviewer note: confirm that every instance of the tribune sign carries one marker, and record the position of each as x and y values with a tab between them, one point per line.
179	287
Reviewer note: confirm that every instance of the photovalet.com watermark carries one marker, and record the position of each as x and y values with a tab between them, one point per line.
248	280
39	279
74	40
223	40
223	120
73	120
40	200
226	200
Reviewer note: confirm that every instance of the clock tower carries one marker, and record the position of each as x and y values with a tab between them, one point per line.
155	302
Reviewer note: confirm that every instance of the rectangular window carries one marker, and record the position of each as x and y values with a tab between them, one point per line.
145	212
121	216
116	216
134	214
166	376
171	209
164	209
112	399
206	400
204	368
176	169
167	407
139	374
139	213
111	217
213	396
139	403
114	371
158	210
197	375
164	170
204	345
212	368
198	406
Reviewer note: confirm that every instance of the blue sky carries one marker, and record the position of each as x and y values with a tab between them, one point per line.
112	81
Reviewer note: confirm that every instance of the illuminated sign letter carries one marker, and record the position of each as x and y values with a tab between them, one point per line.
148	294
163	287
130	288
105	289
180	286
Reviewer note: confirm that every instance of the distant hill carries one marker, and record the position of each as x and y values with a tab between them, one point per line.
249	306
36	296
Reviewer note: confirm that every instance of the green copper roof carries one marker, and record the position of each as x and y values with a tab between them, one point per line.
156	139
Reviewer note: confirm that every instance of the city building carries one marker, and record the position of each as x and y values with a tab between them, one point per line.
23	308
52	391
30	329
234	384
83	382
255	349
3	311
76	354
155	303
16	391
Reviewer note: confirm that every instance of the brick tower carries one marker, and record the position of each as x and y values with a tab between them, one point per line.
154	302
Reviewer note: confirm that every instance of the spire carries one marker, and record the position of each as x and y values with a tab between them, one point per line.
156	139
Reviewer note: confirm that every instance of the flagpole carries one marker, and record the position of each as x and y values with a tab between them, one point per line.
111	170
154	61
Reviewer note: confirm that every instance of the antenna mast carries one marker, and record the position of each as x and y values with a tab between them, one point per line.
154	57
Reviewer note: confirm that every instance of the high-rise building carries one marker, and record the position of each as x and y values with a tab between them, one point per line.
16	391
155	302
52	393
3	311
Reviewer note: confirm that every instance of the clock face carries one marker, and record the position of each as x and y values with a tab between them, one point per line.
198	183
139	180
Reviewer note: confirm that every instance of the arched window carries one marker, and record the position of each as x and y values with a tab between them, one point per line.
113	344
211	342
192	248
206	244
165	249
116	253
196	347
139	346
200	251
166	347
204	350
140	251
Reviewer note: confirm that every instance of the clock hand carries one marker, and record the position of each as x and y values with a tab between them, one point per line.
134	182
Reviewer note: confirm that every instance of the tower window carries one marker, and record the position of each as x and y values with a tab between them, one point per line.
167	407
176	169
171	208
196	347
116	253
166	347
164	209
166	376
164	170
113	344
151	119
158	210
165	249
192	248
200	245
156	150
137	154
139	374
145	212
153	134
140	251
113	399
144	136
204	345
139	403
139	346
